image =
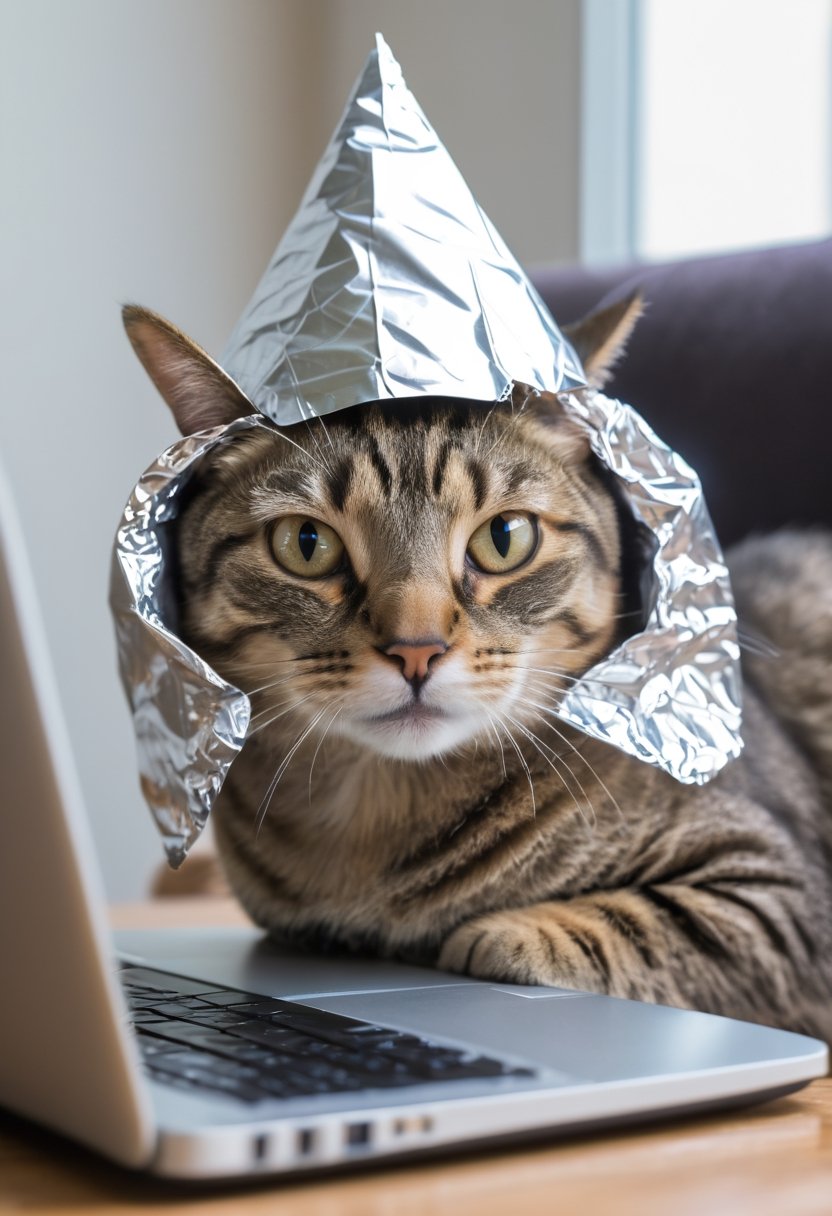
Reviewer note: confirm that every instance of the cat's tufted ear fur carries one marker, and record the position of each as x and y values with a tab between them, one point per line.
198	391
600	337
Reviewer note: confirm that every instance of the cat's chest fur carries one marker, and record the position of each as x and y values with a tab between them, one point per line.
399	853
394	857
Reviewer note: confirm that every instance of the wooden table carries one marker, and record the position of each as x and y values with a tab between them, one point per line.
773	1160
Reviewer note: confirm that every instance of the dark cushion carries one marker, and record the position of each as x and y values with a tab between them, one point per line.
731	365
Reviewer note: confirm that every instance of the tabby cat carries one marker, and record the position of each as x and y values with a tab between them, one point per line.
405	589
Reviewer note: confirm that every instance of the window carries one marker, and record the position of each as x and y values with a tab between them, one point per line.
712	121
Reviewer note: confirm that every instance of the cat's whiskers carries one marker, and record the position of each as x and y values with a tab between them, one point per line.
263	809
248	669
282	435
512	421
254	692
294	705
298	658
324	462
340	706
548	710
522	760
757	644
485	422
541	689
757	651
284	679
499	744
269	709
547	650
554	686
550	756
546	671
273	705
325	430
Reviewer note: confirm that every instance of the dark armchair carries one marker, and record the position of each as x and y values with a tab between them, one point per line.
732	366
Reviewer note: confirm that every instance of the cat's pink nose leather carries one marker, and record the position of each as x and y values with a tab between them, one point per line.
415	657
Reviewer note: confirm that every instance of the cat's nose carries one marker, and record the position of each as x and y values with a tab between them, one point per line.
416	657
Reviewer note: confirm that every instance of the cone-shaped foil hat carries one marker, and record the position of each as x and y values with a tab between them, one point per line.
390	281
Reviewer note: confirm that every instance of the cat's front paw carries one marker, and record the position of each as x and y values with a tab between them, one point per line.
508	946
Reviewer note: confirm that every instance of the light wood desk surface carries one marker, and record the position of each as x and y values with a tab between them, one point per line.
772	1160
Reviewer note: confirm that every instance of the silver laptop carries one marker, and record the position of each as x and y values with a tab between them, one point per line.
213	1054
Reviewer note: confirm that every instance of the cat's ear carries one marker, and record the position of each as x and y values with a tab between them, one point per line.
198	391
600	337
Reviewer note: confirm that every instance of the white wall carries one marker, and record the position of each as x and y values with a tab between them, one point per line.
734	136
154	151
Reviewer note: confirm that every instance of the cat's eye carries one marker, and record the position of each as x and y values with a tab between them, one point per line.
503	542
306	546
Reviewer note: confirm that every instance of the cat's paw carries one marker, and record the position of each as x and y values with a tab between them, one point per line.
510	946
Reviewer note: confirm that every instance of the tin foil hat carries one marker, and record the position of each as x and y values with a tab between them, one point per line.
390	282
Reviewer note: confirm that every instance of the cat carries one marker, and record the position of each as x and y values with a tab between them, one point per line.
404	589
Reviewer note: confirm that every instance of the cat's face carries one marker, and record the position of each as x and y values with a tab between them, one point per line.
415	576
414	579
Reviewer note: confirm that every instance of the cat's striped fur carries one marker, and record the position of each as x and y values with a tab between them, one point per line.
495	840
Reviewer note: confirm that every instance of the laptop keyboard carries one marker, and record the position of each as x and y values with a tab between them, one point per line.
254	1049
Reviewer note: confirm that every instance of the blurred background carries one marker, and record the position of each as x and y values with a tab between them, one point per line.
156	151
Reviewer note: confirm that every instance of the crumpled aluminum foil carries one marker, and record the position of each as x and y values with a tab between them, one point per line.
392	283
189	723
672	693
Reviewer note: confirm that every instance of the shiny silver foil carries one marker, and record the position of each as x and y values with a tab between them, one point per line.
189	723
390	282
671	694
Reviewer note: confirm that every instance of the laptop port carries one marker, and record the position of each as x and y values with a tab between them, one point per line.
259	1147
306	1138
358	1134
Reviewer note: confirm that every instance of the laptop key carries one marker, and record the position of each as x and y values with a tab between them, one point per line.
207	1078
178	1009
155	1047
148	996
216	1017
201	1037
334	1083
285	1087
279	1037
243	1049
145	1017
175	985
226	996
261	1008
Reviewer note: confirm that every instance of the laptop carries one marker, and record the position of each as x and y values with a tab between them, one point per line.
214	1054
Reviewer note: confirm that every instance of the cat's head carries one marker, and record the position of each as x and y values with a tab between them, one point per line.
413	575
